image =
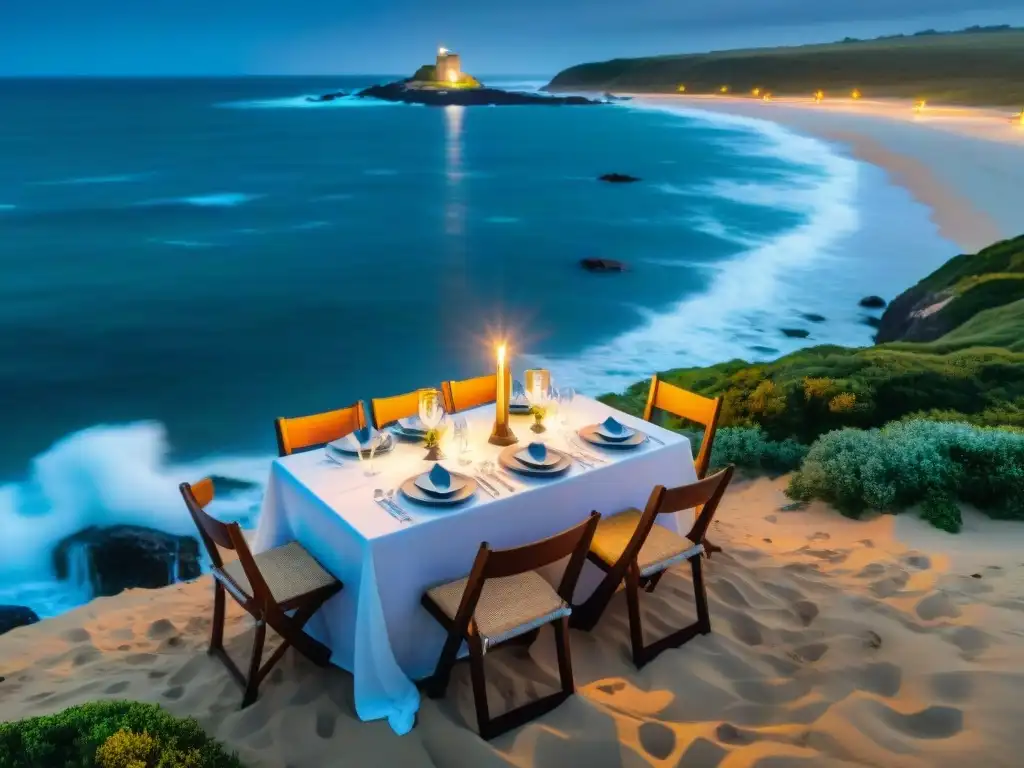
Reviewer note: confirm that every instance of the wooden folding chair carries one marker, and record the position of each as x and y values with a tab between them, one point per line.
630	546
300	432
505	599
267	585
385	410
469	393
692	407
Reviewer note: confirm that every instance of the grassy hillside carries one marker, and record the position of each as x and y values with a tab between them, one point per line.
961	68
973	373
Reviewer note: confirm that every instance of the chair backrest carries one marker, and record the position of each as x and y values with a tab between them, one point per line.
687	405
216	534
704	495
302	432
499	563
469	393
384	410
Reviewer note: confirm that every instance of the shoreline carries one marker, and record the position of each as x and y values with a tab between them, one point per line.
967	200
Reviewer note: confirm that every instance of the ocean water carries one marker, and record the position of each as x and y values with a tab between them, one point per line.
184	260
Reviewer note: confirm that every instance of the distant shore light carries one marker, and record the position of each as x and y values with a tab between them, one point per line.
856	93
453	77
442	51
756	91
724	89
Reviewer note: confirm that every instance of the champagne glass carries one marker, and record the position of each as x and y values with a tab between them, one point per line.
462	441
565	397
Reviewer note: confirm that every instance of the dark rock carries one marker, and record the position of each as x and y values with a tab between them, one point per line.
765	350
602	265
873	302
327	97
613	97
402	92
14	616
796	333
618	178
812	317
126	556
975	575
874	322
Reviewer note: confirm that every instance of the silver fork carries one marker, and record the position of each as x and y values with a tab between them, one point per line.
583	451
397	506
490	489
490	470
382	501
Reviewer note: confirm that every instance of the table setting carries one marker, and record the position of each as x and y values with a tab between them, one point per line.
394	512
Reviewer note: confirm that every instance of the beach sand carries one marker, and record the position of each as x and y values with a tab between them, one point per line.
835	642
966	165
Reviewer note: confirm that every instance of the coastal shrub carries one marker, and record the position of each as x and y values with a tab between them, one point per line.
750	448
927	463
110	734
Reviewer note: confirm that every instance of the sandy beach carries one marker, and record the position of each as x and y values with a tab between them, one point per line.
964	164
835	642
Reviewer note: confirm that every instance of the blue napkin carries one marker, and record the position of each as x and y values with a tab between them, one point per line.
538	451
440	477
363	436
611	426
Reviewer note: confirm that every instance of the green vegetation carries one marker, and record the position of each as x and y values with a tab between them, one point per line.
960	398
110	734
917	463
972	67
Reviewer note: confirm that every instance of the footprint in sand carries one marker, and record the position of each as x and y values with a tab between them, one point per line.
871	570
806	611
746	629
810	652
771	519
77	635
161	628
728	733
174	692
936	722
819	536
970	640
882	678
936	605
921	562
703	752
117	687
952	686
727	592
657	739
833	556
140	658
85	656
890	586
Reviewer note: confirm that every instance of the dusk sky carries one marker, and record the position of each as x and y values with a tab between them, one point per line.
530	37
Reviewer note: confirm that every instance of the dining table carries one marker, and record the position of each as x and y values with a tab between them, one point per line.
376	627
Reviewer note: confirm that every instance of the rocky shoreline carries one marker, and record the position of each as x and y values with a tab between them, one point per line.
404	93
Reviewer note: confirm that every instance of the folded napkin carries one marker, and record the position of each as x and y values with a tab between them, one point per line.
612	427
538	451
440	477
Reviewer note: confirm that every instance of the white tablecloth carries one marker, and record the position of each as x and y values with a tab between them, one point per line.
376	627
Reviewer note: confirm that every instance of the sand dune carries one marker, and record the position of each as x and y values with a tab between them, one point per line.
835	642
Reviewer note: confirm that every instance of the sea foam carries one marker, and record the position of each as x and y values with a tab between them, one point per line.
105	475
302	102
751	288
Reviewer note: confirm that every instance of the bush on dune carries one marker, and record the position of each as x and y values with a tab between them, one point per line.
110	734
926	463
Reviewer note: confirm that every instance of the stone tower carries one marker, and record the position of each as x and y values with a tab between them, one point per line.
448	69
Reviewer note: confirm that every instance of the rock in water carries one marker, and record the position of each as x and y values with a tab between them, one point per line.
873	302
14	616
618	178
602	265
796	333
404	93
126	556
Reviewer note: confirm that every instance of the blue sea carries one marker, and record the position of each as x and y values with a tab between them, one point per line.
183	260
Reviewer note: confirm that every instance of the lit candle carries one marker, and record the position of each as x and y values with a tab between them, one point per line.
501	434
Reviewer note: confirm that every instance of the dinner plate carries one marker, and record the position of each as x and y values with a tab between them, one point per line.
412	425
525	457
427	483
592	436
520	409
346	445
396	430
607	430
416	494
507	459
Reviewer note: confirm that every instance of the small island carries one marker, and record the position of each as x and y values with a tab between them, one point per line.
444	84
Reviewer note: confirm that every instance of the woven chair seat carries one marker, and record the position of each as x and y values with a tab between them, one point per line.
508	607
289	570
661	550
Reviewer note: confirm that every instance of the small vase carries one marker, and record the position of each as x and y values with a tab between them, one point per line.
538	424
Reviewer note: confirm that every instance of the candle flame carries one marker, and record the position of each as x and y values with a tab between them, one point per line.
501	354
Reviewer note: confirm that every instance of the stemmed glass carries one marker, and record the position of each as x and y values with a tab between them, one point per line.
431	411
462	441
366	454
565	398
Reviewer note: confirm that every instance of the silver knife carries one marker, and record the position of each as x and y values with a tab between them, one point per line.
491	490
384	505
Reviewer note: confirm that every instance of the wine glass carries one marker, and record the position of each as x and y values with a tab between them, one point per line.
518	392
462	441
431	408
565	397
366	454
